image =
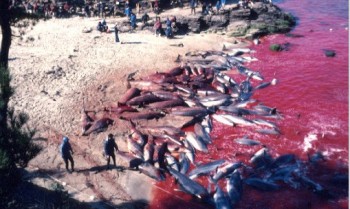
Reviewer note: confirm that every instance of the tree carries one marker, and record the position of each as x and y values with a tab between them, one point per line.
6	32
16	139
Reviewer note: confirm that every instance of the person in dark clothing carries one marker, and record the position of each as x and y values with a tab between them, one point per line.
174	24
204	8
99	27
133	21
109	146
156	8
127	11
168	22
116	34
169	32
218	6
145	18
193	5
210	9
66	152
101	7
87	10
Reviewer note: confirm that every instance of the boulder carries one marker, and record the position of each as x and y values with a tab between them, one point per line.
194	24
329	53
240	14
259	7
238	28
216	21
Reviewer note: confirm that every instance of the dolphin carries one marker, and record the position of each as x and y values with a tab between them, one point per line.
225	170
262	85
175	71
99	126
134	148
246	141
189	111
143	99
205	168
196	142
148	151
234	187
151	171
200	131
167	104
220	199
261	184
129	94
160	130
188	185
148	115
184	163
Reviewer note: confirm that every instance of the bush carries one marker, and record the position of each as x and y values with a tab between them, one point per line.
16	140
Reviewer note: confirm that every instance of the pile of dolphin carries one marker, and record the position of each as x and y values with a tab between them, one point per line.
209	85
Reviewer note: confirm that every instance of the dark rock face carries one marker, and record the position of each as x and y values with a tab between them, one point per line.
269	19
241	14
259	20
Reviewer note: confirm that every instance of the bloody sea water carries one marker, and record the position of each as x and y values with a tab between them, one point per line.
311	94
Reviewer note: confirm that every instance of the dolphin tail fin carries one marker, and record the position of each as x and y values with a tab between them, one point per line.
273	111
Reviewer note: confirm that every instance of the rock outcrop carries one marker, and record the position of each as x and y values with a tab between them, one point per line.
258	20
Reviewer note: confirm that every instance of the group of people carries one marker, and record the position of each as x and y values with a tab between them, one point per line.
207	7
109	146
170	27
102	26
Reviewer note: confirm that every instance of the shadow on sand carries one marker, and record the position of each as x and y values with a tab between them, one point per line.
132	42
29	195
97	169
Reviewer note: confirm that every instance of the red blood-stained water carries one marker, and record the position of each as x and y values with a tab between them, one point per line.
311	94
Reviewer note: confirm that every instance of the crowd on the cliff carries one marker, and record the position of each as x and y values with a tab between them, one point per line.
103	9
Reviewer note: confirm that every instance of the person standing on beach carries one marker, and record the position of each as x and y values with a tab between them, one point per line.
133	21
158	26
145	18
109	146
193	6
66	152
127	11
223	2
116	34
218	6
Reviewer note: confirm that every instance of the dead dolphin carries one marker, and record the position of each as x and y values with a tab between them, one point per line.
143	99
205	168
129	94
147	115
261	184
87	121
151	171
188	185
175	71
189	111
99	126
166	104
148	151
220	199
